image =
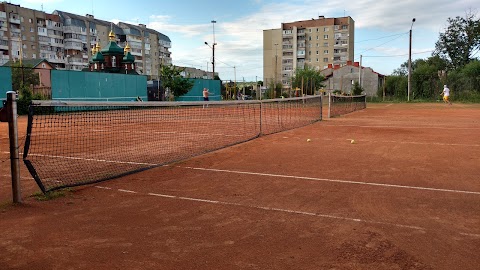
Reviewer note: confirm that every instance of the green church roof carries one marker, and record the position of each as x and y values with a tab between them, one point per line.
112	48
98	57
128	58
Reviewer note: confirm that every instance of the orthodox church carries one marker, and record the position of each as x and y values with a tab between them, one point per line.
112	58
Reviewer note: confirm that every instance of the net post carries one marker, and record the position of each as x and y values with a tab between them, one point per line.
13	136
329	102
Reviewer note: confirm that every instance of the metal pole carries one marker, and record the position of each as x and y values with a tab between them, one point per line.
213	49
409	66
329	102
213	61
410	62
13	135
360	72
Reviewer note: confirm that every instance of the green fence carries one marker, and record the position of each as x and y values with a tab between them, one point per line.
93	86
5	83
196	94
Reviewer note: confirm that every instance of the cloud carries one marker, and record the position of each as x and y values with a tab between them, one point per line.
240	41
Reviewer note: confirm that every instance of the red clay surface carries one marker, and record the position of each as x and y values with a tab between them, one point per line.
406	195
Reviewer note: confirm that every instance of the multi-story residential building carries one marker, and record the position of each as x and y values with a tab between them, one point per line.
66	40
315	42
28	33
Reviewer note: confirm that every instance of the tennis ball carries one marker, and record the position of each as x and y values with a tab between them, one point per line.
308	140
352	141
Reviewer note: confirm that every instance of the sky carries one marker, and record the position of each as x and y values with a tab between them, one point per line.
381	27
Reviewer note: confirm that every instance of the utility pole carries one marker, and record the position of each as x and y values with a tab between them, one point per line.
410	62
213	50
360	72
275	80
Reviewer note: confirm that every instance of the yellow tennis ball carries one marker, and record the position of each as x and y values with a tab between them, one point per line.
352	141
308	140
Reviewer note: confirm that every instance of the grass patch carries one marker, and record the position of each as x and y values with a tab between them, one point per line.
40	196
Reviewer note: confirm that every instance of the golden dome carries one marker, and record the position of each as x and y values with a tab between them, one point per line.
127	48
111	36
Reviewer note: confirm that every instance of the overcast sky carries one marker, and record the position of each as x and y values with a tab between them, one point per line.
381	27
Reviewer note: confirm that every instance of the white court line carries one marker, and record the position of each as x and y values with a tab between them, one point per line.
335	180
127	191
21	177
383	126
427	143
281	176
273	209
99	160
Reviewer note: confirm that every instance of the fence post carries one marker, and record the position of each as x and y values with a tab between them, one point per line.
11	107
329	102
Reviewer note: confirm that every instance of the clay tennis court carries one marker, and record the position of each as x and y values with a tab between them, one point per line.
405	195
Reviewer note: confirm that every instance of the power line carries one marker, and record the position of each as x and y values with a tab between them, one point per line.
397	55
382	44
381	37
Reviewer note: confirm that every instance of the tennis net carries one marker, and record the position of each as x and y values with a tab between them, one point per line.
340	105
76	143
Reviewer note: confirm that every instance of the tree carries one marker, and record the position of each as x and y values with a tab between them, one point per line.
23	76
357	89
172	80
460	41
308	78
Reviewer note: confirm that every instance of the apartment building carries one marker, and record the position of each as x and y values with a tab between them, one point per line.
28	33
66	40
316	43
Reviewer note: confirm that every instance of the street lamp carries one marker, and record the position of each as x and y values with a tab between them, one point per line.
213	49
213	58
275	75
410	62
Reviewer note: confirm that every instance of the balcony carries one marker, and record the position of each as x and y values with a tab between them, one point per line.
287	48
73	46
14	21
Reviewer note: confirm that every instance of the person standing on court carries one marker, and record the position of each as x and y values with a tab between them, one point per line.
446	95
205	96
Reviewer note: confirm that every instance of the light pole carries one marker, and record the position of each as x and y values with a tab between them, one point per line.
213	49
275	75
410	62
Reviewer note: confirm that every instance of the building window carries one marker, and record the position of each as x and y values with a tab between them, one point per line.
325	29
317	52
325	59
317	37
317	59
325	36
325	44
309	30
317	29
317	44
344	27
30	20
325	51
309	38
309	52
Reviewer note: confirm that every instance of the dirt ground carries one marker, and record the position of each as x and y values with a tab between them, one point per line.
404	195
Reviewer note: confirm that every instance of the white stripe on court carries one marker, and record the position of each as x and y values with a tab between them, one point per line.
400	127
21	177
272	209
277	175
334	180
98	160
